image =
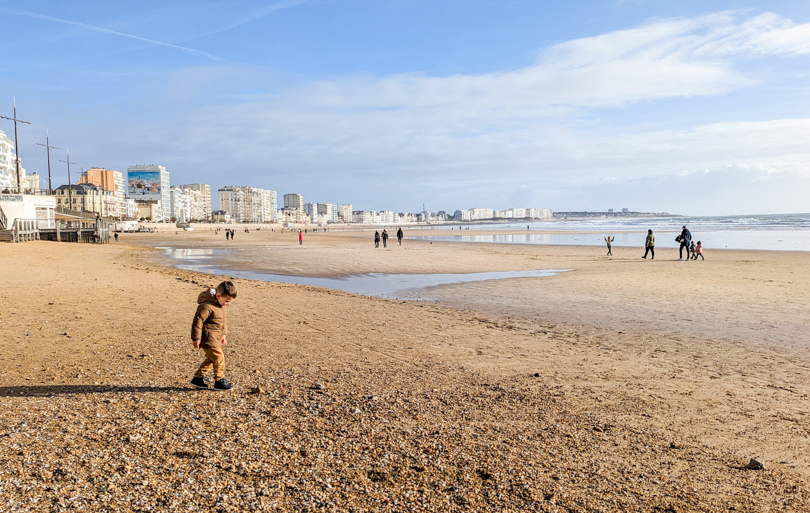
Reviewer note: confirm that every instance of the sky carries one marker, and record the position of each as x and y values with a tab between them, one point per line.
696	108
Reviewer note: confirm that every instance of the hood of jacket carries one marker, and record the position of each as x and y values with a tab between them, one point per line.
208	296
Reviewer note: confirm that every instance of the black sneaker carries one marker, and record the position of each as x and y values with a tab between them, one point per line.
199	382
222	384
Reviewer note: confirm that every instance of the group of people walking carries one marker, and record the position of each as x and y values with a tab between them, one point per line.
384	238
693	250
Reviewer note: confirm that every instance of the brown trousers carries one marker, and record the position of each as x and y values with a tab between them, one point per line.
214	357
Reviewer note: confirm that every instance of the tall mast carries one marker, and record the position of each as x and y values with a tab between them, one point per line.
48	147
16	144
70	191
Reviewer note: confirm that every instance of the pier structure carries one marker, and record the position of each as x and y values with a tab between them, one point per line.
27	217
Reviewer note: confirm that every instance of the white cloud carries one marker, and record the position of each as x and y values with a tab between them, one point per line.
490	135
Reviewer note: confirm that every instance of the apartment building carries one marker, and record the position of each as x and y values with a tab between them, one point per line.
150	183
205	190
109	180
87	198
247	204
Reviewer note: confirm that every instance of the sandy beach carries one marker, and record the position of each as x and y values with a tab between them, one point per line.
622	385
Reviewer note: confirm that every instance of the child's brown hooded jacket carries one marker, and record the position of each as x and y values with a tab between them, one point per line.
209	324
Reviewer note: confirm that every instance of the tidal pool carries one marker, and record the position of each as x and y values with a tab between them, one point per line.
371	284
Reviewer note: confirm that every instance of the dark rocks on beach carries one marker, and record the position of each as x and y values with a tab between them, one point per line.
755	464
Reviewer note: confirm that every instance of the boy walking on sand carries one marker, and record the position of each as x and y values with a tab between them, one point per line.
208	332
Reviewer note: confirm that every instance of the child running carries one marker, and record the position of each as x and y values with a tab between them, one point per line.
208	332
699	251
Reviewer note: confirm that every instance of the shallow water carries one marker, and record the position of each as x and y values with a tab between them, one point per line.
373	284
752	239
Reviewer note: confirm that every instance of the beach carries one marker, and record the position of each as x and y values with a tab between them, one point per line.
621	384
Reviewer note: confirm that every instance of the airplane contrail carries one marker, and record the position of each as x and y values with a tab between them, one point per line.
109	31
259	13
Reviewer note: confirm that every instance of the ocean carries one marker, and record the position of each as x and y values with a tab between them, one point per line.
782	232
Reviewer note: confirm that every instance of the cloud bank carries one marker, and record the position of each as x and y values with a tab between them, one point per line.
553	133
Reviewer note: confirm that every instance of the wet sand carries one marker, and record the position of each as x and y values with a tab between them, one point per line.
622	385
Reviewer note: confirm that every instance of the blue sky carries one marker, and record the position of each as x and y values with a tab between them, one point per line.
688	107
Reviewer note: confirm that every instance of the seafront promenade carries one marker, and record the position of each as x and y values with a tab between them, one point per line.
623	385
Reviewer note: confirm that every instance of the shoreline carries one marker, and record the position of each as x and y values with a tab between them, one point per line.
451	414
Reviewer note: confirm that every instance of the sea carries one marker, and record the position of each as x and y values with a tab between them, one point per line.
773	232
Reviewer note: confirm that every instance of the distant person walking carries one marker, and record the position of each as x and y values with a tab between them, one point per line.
698	251
385	238
685	238
227	235
233	234
376	239
649	245
609	242
300	237
116	237
399	236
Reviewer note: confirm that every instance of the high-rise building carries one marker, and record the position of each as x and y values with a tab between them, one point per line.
248	204
345	212
232	201
131	208
539	213
179	204
108	180
8	165
481	213
310	210
150	182
205	190
294	200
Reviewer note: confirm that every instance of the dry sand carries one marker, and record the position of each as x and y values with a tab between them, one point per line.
623	385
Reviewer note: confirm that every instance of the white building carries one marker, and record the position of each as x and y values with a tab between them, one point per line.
130	207
310	210
180	204
345	213
232	201
327	213
365	217
8	166
462	215
247	204
539	213
27	206
221	216
205	191
150	183
481	213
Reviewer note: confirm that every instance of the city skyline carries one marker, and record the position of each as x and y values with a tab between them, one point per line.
664	107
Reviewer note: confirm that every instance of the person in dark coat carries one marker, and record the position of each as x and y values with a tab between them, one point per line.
685	240
649	245
376	239
400	235
385	238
